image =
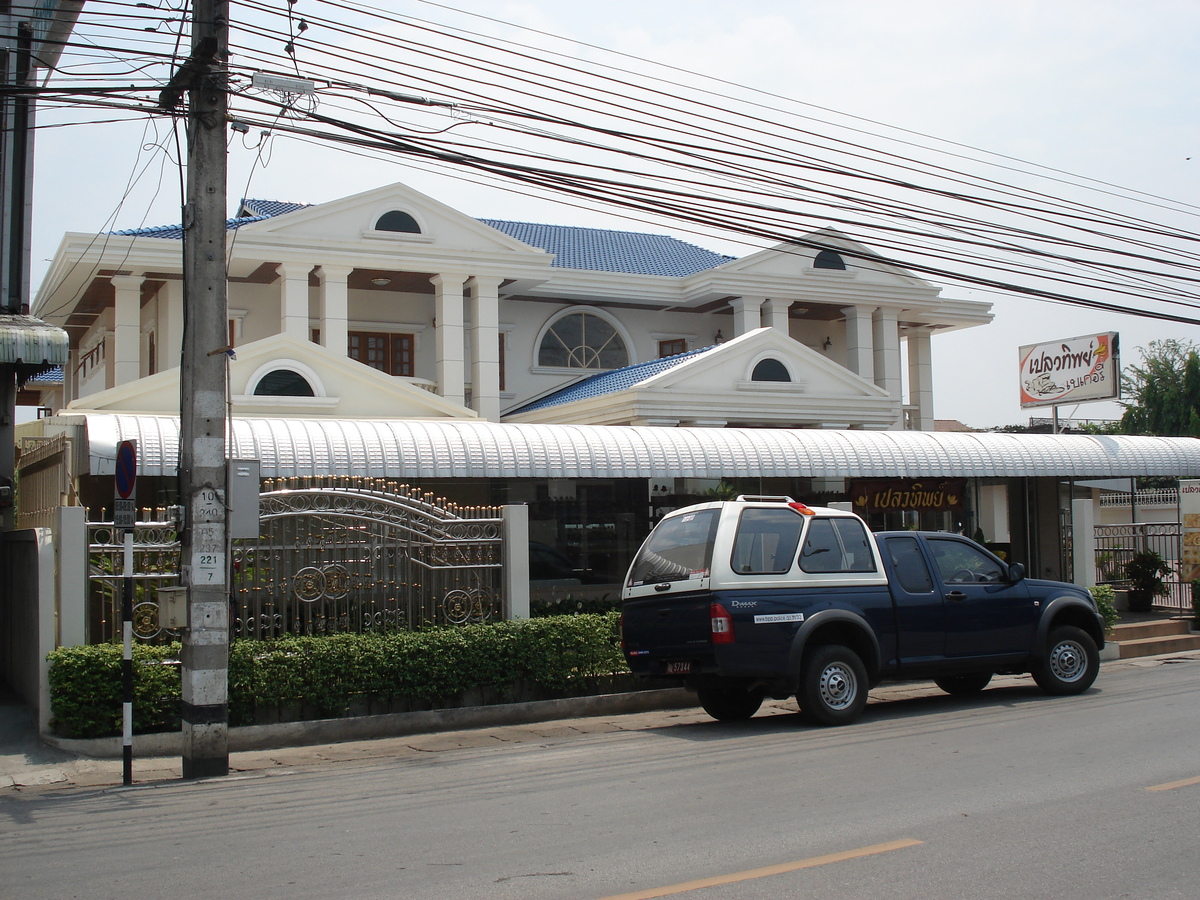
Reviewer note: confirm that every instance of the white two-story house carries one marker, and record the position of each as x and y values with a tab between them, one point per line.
389	304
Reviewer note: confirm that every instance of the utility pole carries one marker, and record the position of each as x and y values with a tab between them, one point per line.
202	439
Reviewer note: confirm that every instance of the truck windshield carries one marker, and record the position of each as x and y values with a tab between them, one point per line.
679	548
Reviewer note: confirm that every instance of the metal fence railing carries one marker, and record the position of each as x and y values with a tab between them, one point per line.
1117	544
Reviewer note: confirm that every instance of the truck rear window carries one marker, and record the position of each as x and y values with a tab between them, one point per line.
679	548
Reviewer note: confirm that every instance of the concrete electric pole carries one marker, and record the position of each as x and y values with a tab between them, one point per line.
202	457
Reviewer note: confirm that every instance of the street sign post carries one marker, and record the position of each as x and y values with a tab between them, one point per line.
124	521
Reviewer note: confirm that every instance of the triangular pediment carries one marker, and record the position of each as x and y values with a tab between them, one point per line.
796	260
342	388
723	385
353	220
734	363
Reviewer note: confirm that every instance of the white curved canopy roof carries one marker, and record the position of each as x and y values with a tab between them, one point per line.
410	449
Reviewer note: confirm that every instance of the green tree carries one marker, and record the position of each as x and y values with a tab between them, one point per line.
1162	395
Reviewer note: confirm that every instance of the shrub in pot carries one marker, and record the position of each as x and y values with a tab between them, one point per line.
1146	572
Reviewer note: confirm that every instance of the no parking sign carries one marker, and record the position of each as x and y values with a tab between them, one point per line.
125	484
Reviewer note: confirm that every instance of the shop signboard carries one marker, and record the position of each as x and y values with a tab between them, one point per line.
896	494
1071	371
1189	509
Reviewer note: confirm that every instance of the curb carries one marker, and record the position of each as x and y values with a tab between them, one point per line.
365	728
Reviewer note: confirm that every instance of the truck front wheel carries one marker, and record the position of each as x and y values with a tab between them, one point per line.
833	685
730	704
1070	663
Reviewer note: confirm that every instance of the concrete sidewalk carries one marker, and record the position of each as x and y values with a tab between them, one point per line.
28	763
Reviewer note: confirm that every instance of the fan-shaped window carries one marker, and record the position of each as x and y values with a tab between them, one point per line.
770	370
398	221
283	383
829	259
583	341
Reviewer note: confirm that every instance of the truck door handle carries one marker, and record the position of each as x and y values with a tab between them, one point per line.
956	596
663	586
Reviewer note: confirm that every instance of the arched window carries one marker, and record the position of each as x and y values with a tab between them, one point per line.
829	259
283	383
582	340
770	370
398	221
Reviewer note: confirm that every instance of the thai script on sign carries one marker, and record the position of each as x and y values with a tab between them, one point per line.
880	496
1083	368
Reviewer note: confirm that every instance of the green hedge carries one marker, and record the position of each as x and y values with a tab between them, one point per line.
335	675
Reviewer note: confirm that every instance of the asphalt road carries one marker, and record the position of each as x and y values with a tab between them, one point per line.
1011	794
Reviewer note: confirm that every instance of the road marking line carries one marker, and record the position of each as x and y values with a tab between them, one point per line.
1170	786
765	871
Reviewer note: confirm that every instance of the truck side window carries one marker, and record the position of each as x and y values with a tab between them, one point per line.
960	563
856	545
911	571
766	541
836	545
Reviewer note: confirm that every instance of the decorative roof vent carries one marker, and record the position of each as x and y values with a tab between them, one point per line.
398	221
770	369
829	259
283	383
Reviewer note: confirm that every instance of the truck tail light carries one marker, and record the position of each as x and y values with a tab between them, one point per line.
722	624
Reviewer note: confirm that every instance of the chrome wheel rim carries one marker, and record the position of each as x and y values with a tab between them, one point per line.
1068	662
838	686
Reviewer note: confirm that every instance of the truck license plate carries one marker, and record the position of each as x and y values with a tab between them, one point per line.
679	667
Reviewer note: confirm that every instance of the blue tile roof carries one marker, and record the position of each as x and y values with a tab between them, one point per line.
593	249
609	382
603	250
249	211
50	376
269	208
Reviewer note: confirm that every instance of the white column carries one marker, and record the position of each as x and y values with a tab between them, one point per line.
514	524
127	329
170	325
448	337
920	376
335	308
485	346
777	316
860	350
887	352
747	314
293	300
1083	542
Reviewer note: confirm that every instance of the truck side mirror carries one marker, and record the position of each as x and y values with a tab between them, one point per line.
1016	572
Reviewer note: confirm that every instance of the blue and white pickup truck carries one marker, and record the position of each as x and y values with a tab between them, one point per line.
764	596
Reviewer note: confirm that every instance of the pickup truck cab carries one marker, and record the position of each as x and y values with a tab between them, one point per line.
764	596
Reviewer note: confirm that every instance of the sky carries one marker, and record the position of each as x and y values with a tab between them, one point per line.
1099	89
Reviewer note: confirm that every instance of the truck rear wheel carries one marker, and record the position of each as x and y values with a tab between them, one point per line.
1070	663
730	704
833	685
965	683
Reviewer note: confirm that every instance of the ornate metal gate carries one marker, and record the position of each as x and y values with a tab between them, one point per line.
332	555
374	556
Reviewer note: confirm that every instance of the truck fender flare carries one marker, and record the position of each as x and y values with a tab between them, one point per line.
1051	612
828	617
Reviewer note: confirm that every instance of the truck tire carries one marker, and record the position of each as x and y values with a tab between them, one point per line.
833	685
1070	663
730	704
964	683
